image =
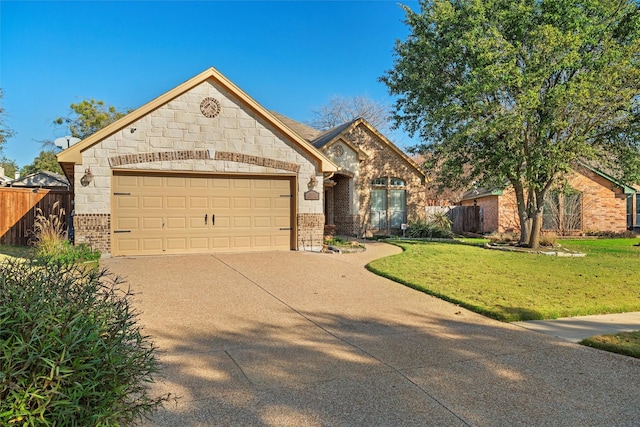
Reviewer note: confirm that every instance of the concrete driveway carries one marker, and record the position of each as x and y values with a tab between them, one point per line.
295	338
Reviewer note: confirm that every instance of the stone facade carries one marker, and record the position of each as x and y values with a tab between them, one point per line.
177	137
352	193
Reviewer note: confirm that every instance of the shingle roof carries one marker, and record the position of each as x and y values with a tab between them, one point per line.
306	132
41	179
327	136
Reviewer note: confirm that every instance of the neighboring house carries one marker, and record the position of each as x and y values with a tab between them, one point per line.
376	188
42	179
205	168
591	201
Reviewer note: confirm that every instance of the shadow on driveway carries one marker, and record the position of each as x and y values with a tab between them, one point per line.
310	339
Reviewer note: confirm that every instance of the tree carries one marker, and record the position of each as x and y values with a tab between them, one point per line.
46	161
517	91
88	117
341	110
10	167
5	132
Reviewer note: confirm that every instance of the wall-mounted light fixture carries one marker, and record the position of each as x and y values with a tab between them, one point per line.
133	130
87	177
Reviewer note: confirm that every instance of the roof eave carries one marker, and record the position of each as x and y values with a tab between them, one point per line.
73	154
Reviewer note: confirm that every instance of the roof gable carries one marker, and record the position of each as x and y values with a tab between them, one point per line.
339	133
73	154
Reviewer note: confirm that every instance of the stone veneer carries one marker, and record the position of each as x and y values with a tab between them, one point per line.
176	137
380	160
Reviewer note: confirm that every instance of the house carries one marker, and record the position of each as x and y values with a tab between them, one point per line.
376	187
591	201
206	168
41	179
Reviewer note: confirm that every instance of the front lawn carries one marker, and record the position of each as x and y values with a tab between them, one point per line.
627	343
519	286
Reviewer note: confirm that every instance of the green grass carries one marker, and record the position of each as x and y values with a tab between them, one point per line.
15	251
627	343
519	286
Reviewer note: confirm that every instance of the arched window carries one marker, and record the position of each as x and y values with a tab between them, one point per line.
388	203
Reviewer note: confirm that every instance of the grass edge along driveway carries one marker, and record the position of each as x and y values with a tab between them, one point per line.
512	286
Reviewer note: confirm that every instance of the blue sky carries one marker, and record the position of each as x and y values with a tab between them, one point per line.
291	56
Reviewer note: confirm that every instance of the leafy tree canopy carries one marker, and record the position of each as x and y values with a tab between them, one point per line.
88	117
46	161
10	167
342	109
519	90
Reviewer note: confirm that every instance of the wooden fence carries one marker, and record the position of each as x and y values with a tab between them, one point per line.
18	211
463	218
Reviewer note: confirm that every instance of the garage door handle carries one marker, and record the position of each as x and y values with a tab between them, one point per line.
213	219
205	219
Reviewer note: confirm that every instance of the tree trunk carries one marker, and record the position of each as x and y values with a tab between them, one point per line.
536	225
523	213
538	211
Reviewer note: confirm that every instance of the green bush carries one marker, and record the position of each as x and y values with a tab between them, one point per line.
71	350
436	228
66	253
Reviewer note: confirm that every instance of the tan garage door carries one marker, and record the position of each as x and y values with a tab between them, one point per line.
153	214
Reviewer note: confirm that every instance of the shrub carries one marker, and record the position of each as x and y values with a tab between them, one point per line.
428	229
49	233
49	237
504	238
548	239
72	352
66	253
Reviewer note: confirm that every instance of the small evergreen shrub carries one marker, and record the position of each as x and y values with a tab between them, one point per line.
71	350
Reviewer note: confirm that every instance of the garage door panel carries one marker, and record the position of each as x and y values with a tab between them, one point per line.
262	203
176	244
176	223
152	245
166	214
151	202
127	223
126	202
241	203
241	222
176	202
221	242
198	202
262	222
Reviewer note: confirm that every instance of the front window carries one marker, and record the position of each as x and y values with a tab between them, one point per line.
562	211
378	209
388	203
638	209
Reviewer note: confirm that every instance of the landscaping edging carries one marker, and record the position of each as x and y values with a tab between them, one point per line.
560	252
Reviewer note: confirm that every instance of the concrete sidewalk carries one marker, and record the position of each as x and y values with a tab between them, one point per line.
575	329
295	338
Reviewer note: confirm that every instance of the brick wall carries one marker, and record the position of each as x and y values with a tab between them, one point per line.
604	205
383	161
310	231
94	230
